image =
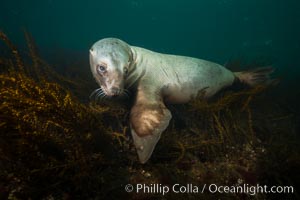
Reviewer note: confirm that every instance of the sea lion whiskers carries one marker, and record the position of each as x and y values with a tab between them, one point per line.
101	94
94	92
97	93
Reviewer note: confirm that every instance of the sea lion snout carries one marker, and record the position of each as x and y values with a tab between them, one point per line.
115	91
113	86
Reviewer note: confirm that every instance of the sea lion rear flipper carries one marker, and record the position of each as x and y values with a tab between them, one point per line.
256	76
147	124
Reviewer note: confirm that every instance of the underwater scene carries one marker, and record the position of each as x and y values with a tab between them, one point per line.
137	99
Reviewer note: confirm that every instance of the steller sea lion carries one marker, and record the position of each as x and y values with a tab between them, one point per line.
158	78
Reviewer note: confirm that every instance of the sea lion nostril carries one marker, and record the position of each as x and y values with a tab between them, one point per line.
115	90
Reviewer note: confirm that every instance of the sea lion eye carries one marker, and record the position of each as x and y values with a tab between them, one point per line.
101	69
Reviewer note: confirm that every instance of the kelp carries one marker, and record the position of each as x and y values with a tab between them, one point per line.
53	145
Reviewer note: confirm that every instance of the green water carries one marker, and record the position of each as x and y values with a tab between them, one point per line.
211	29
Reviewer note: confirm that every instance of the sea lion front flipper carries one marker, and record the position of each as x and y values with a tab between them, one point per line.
148	121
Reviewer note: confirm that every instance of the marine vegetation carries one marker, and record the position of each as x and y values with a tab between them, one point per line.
56	144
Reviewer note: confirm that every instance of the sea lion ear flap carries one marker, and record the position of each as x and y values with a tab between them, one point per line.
145	141
92	52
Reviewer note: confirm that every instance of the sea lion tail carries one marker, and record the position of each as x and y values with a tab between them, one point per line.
258	76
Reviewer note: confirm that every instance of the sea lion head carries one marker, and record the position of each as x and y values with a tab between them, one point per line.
110	59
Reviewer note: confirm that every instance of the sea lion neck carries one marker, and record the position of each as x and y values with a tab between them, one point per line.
136	72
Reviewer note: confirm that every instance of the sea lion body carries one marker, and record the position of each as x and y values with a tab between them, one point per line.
179	78
158	78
